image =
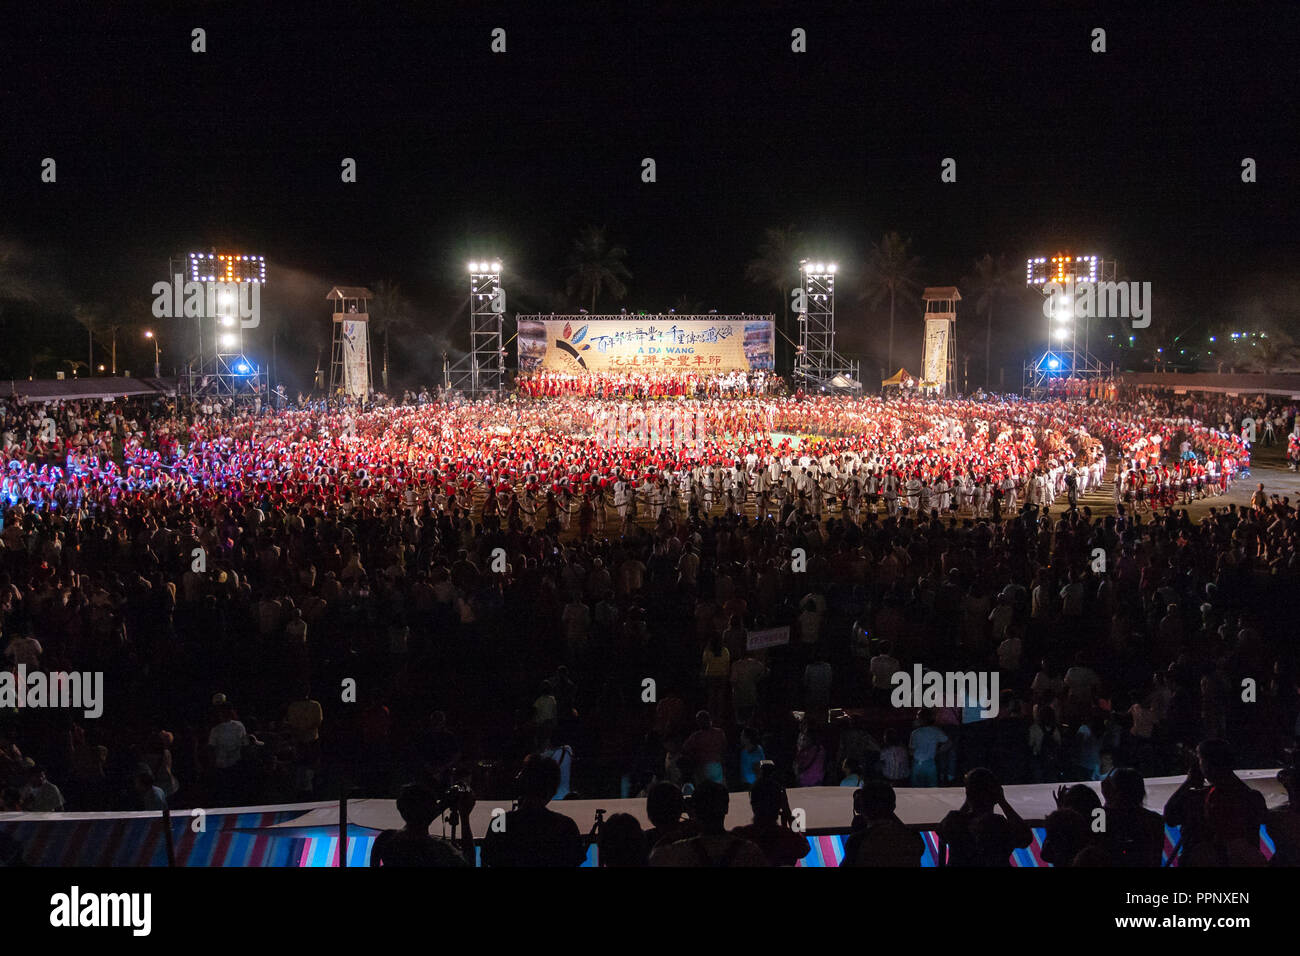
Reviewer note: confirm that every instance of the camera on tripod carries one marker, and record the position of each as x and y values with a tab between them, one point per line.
451	799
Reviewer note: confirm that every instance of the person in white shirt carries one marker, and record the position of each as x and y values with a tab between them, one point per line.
25	650
1009	652
913	490
39	795
227	741
563	757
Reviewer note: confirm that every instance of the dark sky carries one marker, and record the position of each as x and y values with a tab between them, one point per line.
1134	154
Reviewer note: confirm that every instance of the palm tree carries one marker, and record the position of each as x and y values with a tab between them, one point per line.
1160	338
388	310
15	286
1272	350
891	272
992	279
133	315
688	305
91	319
38	358
776	267
595	266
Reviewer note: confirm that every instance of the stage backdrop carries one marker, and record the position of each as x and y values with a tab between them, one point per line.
584	344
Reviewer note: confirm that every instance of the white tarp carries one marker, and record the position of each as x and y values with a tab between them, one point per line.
825	808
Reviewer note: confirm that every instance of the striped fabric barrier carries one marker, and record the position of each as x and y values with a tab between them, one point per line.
826	850
240	839
829	850
229	839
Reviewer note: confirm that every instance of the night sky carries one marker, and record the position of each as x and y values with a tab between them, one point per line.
1134	154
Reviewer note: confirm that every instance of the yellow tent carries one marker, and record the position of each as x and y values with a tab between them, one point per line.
898	379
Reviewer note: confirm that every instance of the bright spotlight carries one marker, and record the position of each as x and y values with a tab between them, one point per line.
496	267
227	320
1062	334
1053	364
229	339
831	268
242	368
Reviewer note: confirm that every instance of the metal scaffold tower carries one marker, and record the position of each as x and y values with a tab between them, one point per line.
228	287
1069	336
483	369
817	366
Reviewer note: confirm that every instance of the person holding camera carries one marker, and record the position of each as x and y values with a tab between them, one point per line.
714	846
532	835
975	836
665	807
413	845
1218	813
772	830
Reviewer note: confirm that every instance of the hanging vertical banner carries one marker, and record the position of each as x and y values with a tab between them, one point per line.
934	367
356	358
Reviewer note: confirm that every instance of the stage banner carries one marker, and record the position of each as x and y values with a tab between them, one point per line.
772	637
356	358
934	367
579	345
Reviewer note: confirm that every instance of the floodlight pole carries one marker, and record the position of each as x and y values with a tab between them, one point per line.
816	361
483	370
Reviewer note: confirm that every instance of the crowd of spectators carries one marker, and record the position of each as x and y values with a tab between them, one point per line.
230	626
